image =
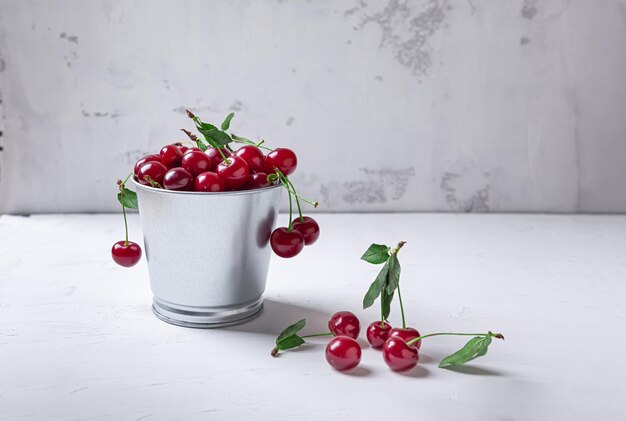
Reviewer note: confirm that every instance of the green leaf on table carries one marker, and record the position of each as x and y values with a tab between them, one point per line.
385	303
289	343
376	287
393	280
474	348
216	137
376	254
127	198
291	330
226	122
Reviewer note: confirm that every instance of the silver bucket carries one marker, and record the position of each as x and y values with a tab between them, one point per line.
208	253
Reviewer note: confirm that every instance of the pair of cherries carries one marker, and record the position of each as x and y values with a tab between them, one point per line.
288	242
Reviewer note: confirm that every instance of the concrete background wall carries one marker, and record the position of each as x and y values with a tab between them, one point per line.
428	105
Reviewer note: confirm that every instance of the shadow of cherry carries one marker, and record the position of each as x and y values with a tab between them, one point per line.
474	370
359	371
417	372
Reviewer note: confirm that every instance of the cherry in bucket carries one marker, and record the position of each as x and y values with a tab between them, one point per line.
126	253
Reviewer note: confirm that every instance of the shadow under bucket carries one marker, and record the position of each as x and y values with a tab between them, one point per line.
208	253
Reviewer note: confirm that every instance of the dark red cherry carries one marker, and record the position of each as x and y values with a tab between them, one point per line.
406	335
183	149
178	179
286	243
147	158
377	334
344	323
399	356
126	255
215	156
253	157
208	182
196	162
233	172
343	353
308	227
192	150
171	156
282	158
256	181
155	170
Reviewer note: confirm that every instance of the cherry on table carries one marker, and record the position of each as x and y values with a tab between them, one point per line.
344	323
343	353
126	255
196	162
256	181
216	157
398	355
377	334
178	179
253	157
286	243
208	182
282	158
147	158
152	169
406	334
233	172
309	229
171	156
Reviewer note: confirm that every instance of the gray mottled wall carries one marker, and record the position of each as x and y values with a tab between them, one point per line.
427	105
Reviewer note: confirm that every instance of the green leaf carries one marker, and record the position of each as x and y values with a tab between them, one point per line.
376	254
385	303
474	348
393	280
376	287
289	342
291	330
240	139
205	126
226	122
216	137
127	198
201	145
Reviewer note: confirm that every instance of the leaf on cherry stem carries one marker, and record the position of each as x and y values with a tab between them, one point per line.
474	348
376	254
127	198
289	338
376	287
393	279
226	122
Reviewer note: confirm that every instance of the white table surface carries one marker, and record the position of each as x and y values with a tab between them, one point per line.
78	339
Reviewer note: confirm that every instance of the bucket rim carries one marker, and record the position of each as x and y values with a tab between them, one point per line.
198	193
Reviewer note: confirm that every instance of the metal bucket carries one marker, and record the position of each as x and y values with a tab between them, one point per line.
208	253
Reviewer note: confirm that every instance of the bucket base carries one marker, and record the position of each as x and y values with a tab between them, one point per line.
206	318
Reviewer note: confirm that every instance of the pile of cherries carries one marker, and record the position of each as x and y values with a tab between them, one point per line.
212	166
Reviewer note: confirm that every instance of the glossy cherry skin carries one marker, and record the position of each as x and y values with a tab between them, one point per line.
286	243
256	181
377	335
344	323
253	157
171	156
196	162
343	353
208	182
178	179
406	335
282	158
183	149
309	229
399	356
216	157
233	172
126	255
155	170
147	158
192	149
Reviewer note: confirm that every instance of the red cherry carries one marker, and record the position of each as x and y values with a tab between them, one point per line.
192	150
126	255
309	229
377	334
155	170
183	149
406	335
208	182
171	156
196	162
147	158
343	353
256	181
178	179
215	156
233	172
282	158
344	323
253	157
399	356
286	243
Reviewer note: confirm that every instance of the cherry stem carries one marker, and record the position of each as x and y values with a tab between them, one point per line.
125	224
297	199
317	334
395	252
289	186
290	210
493	335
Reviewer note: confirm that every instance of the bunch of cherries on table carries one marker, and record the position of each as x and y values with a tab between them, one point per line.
212	166
400	345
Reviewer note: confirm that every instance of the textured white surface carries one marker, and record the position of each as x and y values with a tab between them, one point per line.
78	340
392	105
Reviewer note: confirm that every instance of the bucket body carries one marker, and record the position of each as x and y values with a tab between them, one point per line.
208	253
